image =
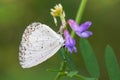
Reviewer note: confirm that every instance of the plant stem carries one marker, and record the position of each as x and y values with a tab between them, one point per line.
79	14
78	19
62	67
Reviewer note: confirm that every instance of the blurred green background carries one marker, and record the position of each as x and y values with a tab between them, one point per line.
15	15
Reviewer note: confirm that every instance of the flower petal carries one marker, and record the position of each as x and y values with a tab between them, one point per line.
84	34
66	34
82	29
69	42
85	26
73	24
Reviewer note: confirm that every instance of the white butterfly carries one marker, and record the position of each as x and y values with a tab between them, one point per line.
39	42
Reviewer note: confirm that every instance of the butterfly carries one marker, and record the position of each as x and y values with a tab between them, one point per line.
39	43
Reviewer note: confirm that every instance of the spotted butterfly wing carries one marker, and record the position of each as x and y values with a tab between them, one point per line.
39	42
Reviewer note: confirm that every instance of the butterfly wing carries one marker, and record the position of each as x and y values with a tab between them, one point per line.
39	42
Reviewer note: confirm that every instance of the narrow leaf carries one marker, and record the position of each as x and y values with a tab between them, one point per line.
111	64
61	53
89	58
90	79
72	73
84	78
66	56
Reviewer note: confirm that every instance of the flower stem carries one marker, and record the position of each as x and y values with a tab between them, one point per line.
62	71
79	14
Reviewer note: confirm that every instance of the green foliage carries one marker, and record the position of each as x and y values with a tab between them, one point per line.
84	78
72	73
89	58
89	78
111	64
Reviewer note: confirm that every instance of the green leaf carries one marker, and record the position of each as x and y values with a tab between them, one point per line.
89	58
72	73
90	79
70	62
111	64
84	78
61	53
66	56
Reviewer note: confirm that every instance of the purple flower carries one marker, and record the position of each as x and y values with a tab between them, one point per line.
69	42
80	30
